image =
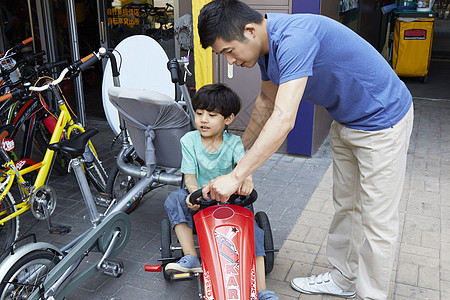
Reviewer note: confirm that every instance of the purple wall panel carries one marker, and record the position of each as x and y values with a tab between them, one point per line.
306	6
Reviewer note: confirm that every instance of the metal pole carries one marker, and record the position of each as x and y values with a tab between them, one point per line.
31	25
73	34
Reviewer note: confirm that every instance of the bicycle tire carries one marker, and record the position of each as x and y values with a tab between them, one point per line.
41	261
119	184
263	222
96	174
10	230
166	240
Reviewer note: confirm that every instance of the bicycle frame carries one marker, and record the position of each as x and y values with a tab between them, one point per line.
109	235
44	167
73	126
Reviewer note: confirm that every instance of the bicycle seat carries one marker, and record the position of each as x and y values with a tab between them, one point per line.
75	145
155	123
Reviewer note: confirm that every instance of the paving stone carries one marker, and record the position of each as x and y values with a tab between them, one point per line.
429	277
408	273
414	292
299	232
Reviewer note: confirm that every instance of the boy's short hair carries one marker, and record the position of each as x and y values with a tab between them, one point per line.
225	19
218	98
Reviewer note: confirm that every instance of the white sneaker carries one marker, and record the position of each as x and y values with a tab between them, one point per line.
320	284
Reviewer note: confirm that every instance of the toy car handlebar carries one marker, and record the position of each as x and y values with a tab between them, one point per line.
234	199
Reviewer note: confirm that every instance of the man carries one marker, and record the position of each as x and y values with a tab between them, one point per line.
316	59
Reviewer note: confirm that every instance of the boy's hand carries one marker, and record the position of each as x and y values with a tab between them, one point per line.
246	187
190	205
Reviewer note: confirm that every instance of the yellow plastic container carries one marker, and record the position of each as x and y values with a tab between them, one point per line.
411	50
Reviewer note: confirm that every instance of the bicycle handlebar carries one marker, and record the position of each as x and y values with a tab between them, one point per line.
5	97
21	44
88	62
32	57
49	66
3	135
26	41
113	61
26	59
20	92
175	71
73	69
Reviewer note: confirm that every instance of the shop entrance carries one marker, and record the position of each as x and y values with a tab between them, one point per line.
97	23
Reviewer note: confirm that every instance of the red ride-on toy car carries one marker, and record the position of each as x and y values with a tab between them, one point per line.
226	240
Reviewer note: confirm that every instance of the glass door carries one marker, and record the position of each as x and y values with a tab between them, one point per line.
349	13
121	19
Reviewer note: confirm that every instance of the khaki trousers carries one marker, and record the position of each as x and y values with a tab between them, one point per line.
368	175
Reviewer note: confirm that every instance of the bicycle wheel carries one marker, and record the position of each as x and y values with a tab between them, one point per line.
96	174
119	184
26	275
10	230
263	222
166	240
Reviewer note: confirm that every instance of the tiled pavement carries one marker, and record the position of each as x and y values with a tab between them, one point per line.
295	191
422	266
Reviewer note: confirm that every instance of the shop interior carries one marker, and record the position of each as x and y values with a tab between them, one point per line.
21	19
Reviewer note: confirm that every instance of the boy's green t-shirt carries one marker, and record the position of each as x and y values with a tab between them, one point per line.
196	159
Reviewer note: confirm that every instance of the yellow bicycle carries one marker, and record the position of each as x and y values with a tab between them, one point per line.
38	196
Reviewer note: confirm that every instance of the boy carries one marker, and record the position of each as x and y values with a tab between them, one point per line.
208	153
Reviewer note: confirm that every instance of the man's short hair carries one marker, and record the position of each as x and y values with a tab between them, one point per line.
218	98
225	19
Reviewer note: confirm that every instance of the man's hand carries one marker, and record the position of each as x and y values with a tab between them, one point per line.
221	188
246	187
190	205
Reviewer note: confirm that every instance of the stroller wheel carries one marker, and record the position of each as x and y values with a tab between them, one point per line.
166	240
263	222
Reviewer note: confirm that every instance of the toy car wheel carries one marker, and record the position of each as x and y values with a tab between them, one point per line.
166	240
263	222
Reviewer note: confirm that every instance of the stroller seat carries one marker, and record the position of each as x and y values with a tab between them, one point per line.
155	123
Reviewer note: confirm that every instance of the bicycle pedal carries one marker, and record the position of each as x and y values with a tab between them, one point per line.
112	268
102	201
60	229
